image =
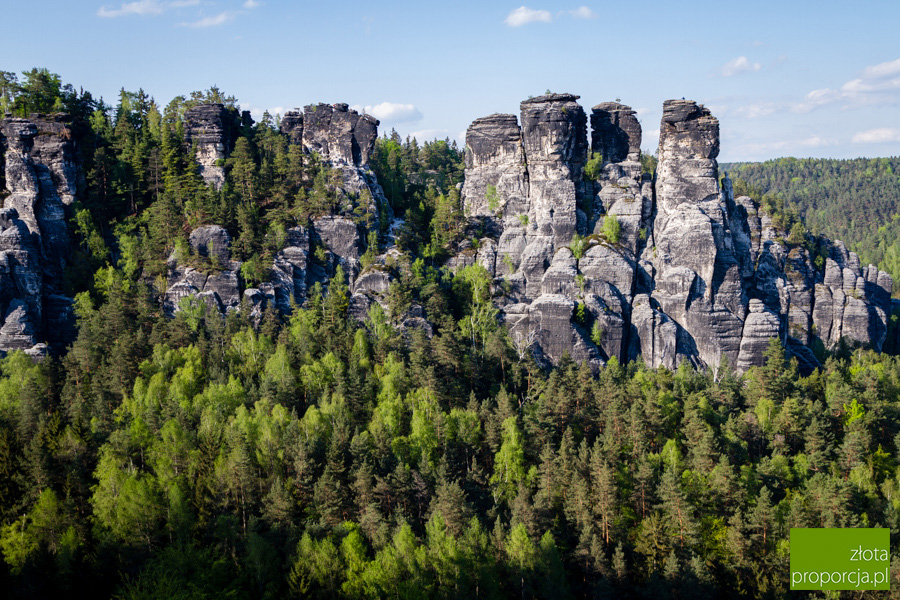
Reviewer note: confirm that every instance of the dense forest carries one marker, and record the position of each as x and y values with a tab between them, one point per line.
857	201
210	456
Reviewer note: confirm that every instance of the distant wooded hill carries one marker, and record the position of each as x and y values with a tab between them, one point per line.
857	201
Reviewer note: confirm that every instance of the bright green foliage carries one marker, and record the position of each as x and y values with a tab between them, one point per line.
492	198
593	167
612	229
310	455
578	245
509	462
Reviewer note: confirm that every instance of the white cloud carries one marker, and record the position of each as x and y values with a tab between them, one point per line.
583	12
251	4
524	15
738	65
213	21
877	85
392	112
815	141
877	136
759	109
885	69
766	148
143	8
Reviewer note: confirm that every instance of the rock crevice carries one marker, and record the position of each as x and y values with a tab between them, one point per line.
670	267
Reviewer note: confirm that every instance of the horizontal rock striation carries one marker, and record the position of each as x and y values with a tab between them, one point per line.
210	129
669	268
343	140
41	176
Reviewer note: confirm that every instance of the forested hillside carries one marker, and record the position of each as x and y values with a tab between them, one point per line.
857	201
315	456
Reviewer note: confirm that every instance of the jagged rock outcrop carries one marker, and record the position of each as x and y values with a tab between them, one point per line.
209	273
615	132
338	134
622	192
210	128
684	271
41	177
343	140
496	175
527	182
698	279
851	302
555	142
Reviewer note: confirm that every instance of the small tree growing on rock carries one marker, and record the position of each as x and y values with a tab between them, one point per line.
493	198
578	245
612	229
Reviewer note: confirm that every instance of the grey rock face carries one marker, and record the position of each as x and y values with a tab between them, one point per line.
760	326
18	331
338	134
21	180
209	128
338	234
41	175
211	241
698	280
546	327
495	162
622	193
615	132
695	274
657	334
290	268
292	126
554	136
851	302
218	285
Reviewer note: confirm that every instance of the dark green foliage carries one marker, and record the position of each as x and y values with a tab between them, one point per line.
856	201
313	456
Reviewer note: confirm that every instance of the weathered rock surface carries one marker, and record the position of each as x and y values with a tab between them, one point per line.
555	142
344	140
686	271
338	134
615	132
41	177
495	163
210	128
210	274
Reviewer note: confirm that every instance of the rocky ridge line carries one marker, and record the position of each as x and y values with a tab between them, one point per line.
692	272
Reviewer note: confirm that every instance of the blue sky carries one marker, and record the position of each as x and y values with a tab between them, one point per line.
784	78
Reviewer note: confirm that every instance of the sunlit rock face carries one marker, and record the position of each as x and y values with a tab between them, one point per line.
41	177
625	264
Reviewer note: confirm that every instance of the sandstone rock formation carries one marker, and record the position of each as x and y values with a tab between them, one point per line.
684	271
614	264
208	273
343	140
210	128
41	176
